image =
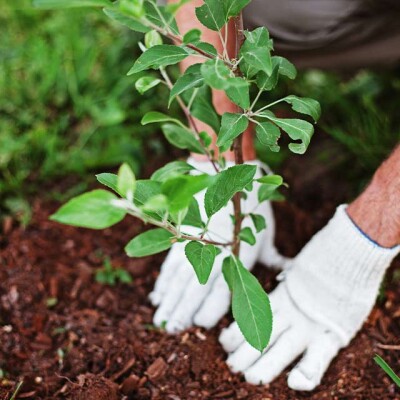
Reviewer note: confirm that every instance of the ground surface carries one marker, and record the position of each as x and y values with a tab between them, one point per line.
97	342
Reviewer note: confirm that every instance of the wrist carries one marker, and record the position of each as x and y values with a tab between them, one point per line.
376	211
342	269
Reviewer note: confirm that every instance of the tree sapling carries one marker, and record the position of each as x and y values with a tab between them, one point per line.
167	200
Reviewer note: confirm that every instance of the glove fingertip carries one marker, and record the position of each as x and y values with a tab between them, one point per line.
298	381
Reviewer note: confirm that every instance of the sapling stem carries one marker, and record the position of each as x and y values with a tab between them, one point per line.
237	144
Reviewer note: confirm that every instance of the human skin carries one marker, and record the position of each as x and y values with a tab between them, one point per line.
376	211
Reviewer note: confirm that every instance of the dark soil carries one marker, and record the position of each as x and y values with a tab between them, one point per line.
67	337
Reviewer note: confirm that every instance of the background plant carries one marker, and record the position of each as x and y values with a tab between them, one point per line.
66	107
167	199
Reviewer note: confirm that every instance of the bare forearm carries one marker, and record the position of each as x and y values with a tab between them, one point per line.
377	210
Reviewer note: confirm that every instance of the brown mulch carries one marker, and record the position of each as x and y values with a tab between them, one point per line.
67	337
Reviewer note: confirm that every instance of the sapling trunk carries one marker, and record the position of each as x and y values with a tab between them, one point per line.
238	142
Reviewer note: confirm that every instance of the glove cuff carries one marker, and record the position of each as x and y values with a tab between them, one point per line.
336	277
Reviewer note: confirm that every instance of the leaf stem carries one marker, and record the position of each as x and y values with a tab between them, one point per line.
269	105
190	118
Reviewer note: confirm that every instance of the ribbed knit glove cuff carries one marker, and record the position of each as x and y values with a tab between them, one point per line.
336	277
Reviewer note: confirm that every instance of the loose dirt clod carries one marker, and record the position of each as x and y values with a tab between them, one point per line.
94	387
157	369
130	384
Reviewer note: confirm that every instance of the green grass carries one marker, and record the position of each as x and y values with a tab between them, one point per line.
385	366
66	104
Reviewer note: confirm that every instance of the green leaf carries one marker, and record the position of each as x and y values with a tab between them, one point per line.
207	48
258	58
93	210
191	78
146	83
193	216
211	14
250	304
152	38
247	235
109	180
123	276
268	134
228	271
174	7
259	37
159	56
232	125
305	105
192	36
170	170
269	186
150	242
155	116
206	138
125	20
385	366
52	4
132	7
233	7
259	222
145	190
181	189
216	74
202	258
297	129
203	109
126	182
225	185
240	95
268	82
256	50
160	16
285	67
182	138
157	203
275	180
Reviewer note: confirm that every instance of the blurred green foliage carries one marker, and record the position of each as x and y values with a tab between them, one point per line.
360	111
66	104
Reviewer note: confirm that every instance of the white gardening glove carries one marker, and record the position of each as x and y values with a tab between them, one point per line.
326	295
182	301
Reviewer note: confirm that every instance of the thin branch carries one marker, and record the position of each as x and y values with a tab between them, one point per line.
171	228
190	118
